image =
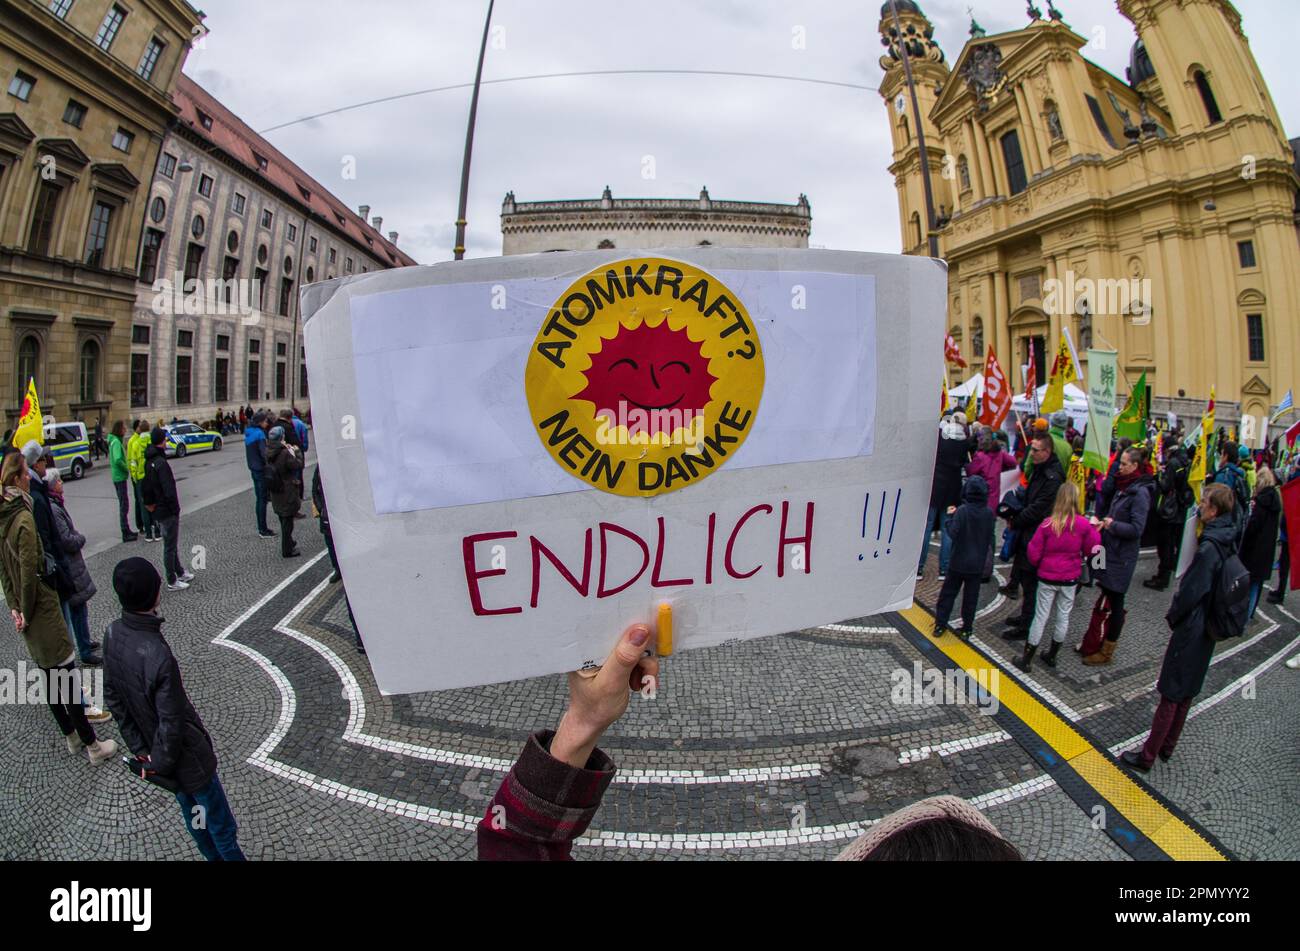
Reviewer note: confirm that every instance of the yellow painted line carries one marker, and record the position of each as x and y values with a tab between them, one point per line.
1111	782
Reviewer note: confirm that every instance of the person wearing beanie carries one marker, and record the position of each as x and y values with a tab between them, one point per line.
145	692
1247	465
284	471
161	498
36	613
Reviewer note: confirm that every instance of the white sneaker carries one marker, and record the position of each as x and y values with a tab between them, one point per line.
1294	662
178	586
95	715
187	577
100	750
75	746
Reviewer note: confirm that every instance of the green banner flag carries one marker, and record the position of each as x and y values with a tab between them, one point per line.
1132	421
1103	369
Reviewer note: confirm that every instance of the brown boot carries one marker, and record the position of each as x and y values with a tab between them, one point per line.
1102	656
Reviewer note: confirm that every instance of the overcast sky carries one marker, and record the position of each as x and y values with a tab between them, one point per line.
745	138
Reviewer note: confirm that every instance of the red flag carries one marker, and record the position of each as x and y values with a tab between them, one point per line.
997	393
1291	512
1291	434
952	352
1031	378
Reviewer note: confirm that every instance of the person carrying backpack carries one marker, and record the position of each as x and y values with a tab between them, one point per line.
1234	477
1175	499
1198	615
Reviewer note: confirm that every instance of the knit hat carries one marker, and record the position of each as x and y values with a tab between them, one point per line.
927	810
1243	452
1041	424
158	435
32	452
137	584
276	434
1060	419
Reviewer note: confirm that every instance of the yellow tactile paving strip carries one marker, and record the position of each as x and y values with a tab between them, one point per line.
1113	784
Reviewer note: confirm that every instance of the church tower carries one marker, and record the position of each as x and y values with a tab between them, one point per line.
929	74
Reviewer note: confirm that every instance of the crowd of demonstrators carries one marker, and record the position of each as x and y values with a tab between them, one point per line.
144	691
161	498
1175	499
283	478
37	614
552	793
1045	481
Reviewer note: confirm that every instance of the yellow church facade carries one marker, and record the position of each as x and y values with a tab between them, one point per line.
1155	216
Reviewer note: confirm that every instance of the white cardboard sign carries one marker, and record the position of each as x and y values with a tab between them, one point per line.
523	455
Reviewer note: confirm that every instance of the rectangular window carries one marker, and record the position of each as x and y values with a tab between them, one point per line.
193	261
286	296
254	389
20	87
266	218
334	256
185	338
1246	253
205	186
293	233
122	140
311	243
43	215
254	346
149	250
140	379
1015	162
239	203
183	365
302	380
60	8
150	58
1255	337
279	379
260	275
75	113
281	349
108	29
221	385
140	333
229	270
223	342
97	237
167	167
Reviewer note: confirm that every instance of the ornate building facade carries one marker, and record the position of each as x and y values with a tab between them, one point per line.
86	103
1156	216
232	231
609	222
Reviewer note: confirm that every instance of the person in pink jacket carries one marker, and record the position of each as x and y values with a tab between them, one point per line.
989	464
1057	551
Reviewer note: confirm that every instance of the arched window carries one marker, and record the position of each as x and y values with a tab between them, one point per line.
29	356
1207	97
916	229
977	336
232	241
89	371
963	173
311	274
907	132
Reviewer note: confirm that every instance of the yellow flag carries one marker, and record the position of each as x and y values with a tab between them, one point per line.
1196	477
29	422
1079	476
972	409
1065	369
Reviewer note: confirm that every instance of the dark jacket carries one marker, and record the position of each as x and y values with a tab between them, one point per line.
44	523
288	463
255	449
950	460
1187	658
158	488
971	529
1175	494
318	500
290	432
1259	543
71	541
143	689
1128	510
1040	496
543	805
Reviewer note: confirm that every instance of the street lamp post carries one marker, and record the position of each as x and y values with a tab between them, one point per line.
459	250
932	236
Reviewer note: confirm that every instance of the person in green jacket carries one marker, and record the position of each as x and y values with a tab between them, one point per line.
117	461
135	448
34	607
1247	466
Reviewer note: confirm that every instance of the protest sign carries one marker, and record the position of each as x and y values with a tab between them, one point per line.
1188	550
523	455
1102	373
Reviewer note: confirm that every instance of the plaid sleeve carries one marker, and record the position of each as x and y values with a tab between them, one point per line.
543	805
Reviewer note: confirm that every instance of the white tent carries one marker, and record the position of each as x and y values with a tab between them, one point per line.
1076	404
974	385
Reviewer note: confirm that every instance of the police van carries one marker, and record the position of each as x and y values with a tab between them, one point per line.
70	447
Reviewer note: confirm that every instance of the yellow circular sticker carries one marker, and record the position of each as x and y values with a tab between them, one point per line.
645	376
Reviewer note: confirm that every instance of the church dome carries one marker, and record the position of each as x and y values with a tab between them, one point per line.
904	6
1139	65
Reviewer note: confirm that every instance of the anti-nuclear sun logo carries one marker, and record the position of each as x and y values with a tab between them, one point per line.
645	377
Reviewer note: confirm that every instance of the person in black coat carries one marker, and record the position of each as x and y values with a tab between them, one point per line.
1040	495
969	526
1259	543
143	688
945	491
158	489
1187	658
1122	521
1175	498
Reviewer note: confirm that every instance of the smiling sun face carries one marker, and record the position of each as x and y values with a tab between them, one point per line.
652	369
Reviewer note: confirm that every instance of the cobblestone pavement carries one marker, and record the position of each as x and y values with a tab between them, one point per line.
776	748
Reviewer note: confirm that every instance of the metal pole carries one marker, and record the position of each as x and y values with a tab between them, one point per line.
933	238
459	250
